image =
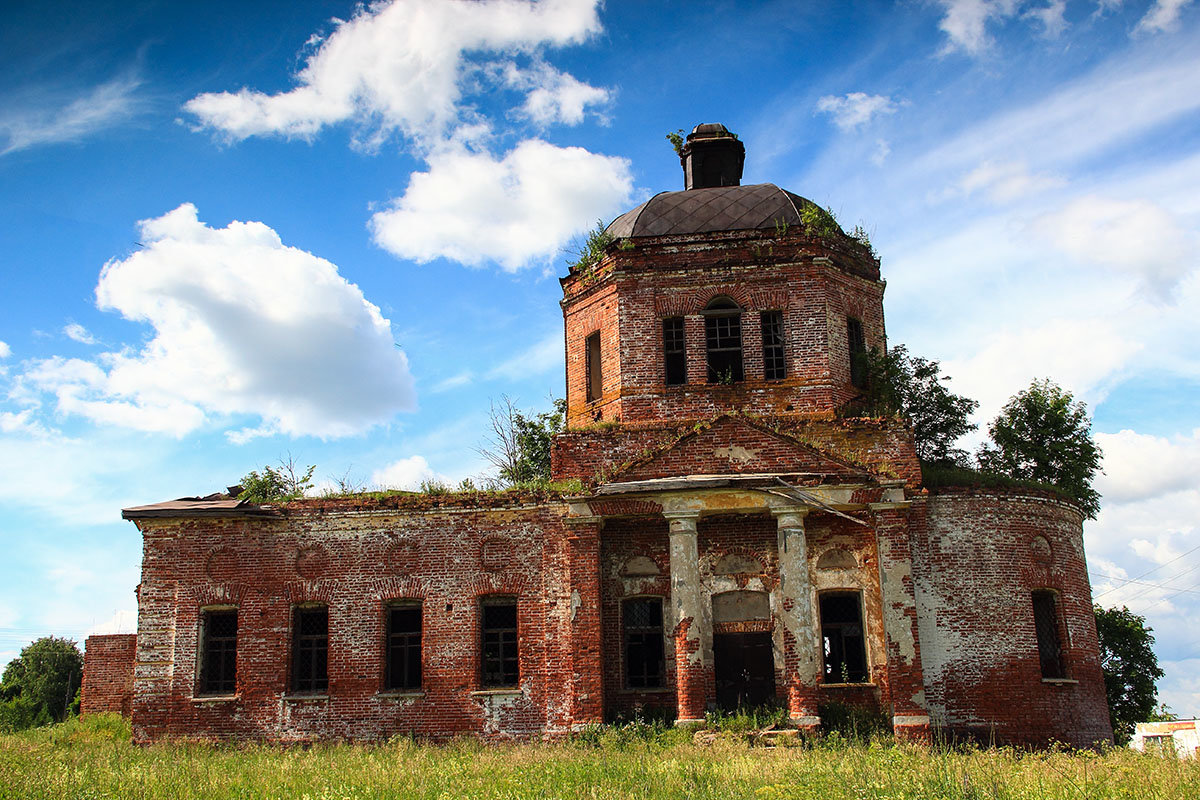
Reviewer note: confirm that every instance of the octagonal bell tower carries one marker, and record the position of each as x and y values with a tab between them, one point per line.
717	298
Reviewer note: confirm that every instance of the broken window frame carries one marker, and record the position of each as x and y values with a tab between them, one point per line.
843	641
403	645
674	351
593	368
856	348
643	644
217	662
774	355
1047	624
499	644
723	340
310	649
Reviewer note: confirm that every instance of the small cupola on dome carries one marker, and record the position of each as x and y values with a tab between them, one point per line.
712	157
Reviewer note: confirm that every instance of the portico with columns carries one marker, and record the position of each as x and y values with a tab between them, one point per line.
733	561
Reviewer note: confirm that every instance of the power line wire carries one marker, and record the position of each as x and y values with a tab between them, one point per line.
1154	569
1140	583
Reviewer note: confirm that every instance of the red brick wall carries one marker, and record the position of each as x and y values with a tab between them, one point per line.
815	286
354	562
108	674
623	539
883	447
976	565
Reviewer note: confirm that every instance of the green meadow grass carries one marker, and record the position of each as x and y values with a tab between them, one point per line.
93	758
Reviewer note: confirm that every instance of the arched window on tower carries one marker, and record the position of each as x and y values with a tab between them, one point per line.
723	337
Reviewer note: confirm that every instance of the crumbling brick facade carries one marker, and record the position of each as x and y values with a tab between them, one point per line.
108	674
738	539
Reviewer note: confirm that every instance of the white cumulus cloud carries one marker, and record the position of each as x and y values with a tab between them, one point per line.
1136	236
965	22
855	109
1162	16
407	473
1139	466
404	65
78	333
472	207
244	325
5	350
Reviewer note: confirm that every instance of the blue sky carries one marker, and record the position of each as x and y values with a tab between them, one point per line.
240	231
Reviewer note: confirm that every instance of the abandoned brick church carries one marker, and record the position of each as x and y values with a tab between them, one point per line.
737	540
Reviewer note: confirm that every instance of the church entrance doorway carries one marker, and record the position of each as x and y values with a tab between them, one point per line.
745	669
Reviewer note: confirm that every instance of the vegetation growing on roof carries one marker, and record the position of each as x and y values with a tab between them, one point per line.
277	484
588	252
675	137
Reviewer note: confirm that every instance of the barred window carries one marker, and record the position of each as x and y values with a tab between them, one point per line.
723	337
1045	618
674	352
499	642
842	635
774	362
403	645
218	651
642	618
857	345
310	649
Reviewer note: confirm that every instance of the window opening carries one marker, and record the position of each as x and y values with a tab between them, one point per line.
499	629
595	370
643	621
310	650
723	337
842	633
674	353
1045	618
774	363
218	654
403	646
858	350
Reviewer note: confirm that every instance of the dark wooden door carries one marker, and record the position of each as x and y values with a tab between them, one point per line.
745	669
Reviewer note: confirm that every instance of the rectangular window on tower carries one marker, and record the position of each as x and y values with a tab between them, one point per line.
403	646
842	638
674	352
774	362
310	649
498	628
723	340
1045	619
218	651
857	345
595	369
643	623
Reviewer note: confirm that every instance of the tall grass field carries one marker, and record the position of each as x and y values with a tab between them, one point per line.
93	758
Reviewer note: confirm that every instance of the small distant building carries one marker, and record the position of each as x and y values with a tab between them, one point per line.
736	535
1181	736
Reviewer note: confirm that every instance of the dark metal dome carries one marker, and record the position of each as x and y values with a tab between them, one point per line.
723	208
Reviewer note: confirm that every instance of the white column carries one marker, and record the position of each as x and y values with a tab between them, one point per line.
692	622
801	640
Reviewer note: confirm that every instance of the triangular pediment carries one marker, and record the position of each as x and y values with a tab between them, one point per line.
736	446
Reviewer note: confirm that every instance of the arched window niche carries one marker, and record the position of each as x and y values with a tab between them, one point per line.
723	340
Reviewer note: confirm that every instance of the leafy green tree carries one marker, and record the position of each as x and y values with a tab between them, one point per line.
914	387
1043	434
1130	669
519	443
274	485
38	686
